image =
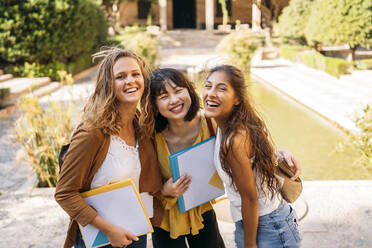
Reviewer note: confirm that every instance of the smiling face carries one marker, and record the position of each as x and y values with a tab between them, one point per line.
173	102
128	81
218	96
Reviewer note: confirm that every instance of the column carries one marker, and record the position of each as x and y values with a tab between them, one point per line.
163	14
209	15
256	15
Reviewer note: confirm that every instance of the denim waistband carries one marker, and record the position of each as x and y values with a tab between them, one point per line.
281	213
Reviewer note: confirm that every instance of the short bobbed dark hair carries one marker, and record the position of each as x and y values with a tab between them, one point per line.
158	80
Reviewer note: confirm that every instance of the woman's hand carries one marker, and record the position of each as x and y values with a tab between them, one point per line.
291	161
119	237
178	188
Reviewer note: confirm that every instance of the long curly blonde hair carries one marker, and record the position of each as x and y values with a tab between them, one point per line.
101	110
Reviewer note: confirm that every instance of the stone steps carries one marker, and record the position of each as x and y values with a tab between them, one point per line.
189	39
5	77
45	90
30	86
19	86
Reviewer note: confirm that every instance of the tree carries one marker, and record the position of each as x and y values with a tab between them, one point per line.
293	20
341	22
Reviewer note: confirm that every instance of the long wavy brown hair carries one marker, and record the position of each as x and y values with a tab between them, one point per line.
245	119
101	110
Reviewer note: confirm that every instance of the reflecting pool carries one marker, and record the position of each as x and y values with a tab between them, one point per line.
308	136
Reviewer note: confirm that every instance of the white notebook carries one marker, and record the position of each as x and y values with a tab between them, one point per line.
198	162
119	203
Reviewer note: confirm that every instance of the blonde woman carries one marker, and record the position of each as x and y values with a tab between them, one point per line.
109	147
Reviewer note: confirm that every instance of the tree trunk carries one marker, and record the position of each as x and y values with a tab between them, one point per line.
351	56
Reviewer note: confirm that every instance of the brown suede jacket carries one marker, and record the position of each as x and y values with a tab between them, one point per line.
85	156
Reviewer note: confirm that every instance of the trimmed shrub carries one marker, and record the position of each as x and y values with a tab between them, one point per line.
47	32
364	64
291	52
340	22
293	20
239	46
36	70
333	66
313	59
336	67
81	63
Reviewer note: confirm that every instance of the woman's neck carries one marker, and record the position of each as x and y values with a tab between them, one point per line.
221	123
126	132
127	114
182	128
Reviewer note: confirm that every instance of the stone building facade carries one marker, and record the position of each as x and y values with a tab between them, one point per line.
199	14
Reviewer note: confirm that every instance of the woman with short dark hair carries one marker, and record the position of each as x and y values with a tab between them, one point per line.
173	114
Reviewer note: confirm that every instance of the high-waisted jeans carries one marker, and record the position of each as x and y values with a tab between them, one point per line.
276	229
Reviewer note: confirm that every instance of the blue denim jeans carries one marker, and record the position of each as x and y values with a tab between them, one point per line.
276	229
141	243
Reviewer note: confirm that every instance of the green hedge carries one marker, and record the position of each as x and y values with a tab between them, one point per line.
45	32
333	66
336	67
364	64
36	69
291	52
313	59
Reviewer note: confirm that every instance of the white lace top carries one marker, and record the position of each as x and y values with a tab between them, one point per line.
265	205
121	162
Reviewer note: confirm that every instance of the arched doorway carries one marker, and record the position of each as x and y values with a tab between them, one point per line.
184	14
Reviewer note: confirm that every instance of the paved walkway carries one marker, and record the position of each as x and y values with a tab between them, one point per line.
338	100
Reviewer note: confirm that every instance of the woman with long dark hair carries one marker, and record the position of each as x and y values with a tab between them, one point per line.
245	160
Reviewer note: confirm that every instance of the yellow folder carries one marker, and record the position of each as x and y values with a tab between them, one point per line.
119	203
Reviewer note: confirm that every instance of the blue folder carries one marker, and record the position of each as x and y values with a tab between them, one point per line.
198	162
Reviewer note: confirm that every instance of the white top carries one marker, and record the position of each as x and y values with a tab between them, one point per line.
265	205
122	162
